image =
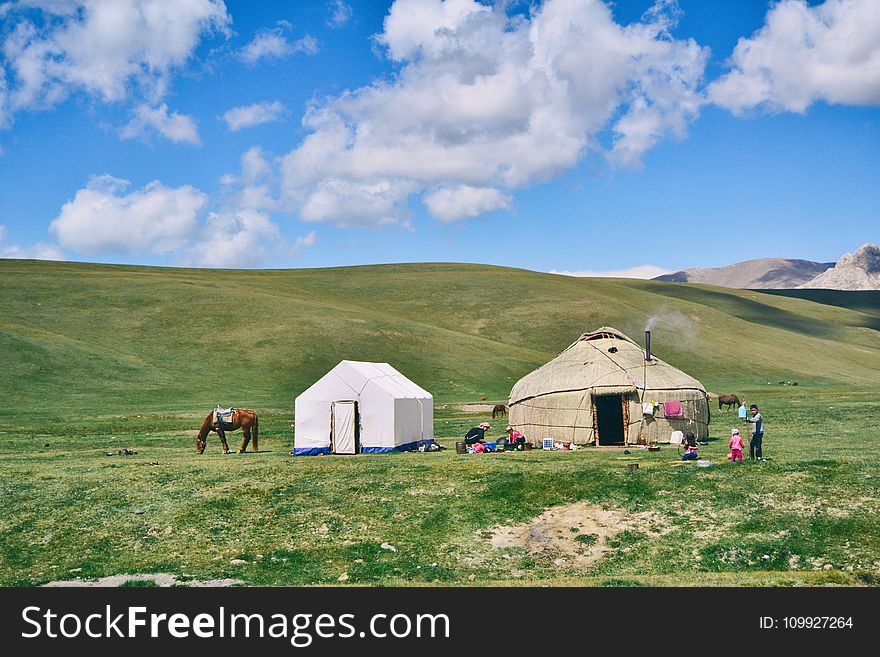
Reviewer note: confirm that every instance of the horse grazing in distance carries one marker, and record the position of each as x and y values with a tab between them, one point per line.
499	409
242	418
728	400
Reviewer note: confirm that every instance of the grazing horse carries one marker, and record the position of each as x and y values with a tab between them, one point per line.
728	400
242	418
499	409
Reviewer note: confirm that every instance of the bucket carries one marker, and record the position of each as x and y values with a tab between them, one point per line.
566	445
527	446
460	447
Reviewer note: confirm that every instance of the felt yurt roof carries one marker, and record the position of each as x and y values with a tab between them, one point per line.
588	364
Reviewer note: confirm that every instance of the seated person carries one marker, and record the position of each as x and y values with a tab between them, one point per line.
514	440
477	434
690	447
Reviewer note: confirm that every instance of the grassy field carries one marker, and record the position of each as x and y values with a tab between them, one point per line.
97	358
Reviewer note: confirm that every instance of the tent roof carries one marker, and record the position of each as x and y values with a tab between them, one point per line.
355	375
588	364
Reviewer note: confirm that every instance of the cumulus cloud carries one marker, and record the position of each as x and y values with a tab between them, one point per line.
642	271
103	48
462	201
105	217
485	102
175	127
252	189
38	251
307	240
804	54
349	203
272	44
108	217
340	13
241	238
251	115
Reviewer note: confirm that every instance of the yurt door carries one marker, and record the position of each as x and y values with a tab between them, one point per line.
608	410
344	428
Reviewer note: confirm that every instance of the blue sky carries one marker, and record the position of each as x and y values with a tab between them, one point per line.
563	135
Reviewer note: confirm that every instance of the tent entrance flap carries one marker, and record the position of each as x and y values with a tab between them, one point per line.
343	428
608	411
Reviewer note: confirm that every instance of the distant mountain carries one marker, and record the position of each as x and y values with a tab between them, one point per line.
764	273
854	271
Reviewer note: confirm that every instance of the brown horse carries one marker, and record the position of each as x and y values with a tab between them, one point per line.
729	400
242	418
499	409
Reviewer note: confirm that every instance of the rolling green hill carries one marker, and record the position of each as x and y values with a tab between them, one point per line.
118	338
98	357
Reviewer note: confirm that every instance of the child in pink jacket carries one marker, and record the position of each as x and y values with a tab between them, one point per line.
736	446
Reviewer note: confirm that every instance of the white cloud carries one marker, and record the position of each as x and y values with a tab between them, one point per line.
340	13
804	54
643	271
254	165
107	217
306	241
450	204
491	102
102	217
104	48
242	238
256	114
251	190
175	127
347	203
272	44
38	251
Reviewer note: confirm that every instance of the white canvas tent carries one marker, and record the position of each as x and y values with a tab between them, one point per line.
362	407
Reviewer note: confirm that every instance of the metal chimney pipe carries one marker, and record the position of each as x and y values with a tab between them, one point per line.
647	345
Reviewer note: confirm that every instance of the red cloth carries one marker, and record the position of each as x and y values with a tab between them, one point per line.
672	409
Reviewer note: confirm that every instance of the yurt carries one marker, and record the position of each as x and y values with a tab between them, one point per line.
360	407
605	389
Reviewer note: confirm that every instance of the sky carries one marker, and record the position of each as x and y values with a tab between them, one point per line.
628	138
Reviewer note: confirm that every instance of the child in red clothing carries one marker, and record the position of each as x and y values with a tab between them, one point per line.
736	446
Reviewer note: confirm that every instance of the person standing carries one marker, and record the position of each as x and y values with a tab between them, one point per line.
743	412
755	452
736	445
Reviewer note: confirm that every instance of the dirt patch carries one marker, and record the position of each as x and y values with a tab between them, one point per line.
476	408
159	579
577	534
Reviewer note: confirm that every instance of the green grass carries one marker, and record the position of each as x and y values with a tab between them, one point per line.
102	357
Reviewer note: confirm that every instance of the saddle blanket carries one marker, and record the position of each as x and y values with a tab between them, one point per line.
223	416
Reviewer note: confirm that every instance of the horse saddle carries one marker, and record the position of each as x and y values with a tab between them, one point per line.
223	416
